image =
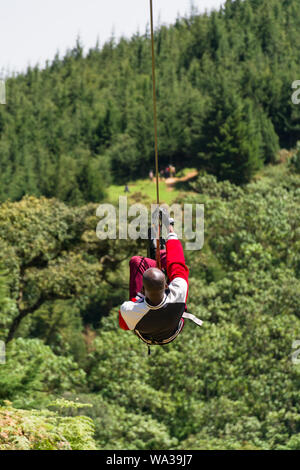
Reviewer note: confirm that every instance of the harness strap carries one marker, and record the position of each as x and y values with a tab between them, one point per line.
192	317
162	342
186	315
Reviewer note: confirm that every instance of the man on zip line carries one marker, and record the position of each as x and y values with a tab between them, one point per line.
157	307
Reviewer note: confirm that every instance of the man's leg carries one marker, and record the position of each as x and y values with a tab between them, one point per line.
138	265
163	259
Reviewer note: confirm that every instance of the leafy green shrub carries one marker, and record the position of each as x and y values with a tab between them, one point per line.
43	430
33	373
209	186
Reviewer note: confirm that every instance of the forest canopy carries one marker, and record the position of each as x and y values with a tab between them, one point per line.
224	87
230	384
79	128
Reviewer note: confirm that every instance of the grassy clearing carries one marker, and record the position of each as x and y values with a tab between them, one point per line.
144	191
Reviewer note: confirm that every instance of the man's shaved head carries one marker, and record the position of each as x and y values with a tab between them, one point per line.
154	279
154	282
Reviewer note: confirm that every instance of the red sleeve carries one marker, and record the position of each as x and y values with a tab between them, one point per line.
176	266
122	323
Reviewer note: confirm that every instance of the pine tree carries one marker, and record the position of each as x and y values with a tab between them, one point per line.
231	141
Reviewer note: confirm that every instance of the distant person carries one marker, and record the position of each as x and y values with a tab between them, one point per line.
172	171
167	172
126	189
151	175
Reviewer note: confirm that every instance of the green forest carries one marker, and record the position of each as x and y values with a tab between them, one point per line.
71	136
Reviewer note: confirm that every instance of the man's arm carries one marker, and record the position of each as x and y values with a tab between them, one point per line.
131	312
122	323
176	266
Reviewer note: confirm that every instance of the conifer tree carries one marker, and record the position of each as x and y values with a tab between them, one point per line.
231	141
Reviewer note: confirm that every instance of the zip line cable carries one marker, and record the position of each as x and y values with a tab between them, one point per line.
154	102
158	262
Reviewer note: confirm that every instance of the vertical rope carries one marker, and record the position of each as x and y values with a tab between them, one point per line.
155	133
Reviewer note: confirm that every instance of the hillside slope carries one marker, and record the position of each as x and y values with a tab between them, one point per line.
224	104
